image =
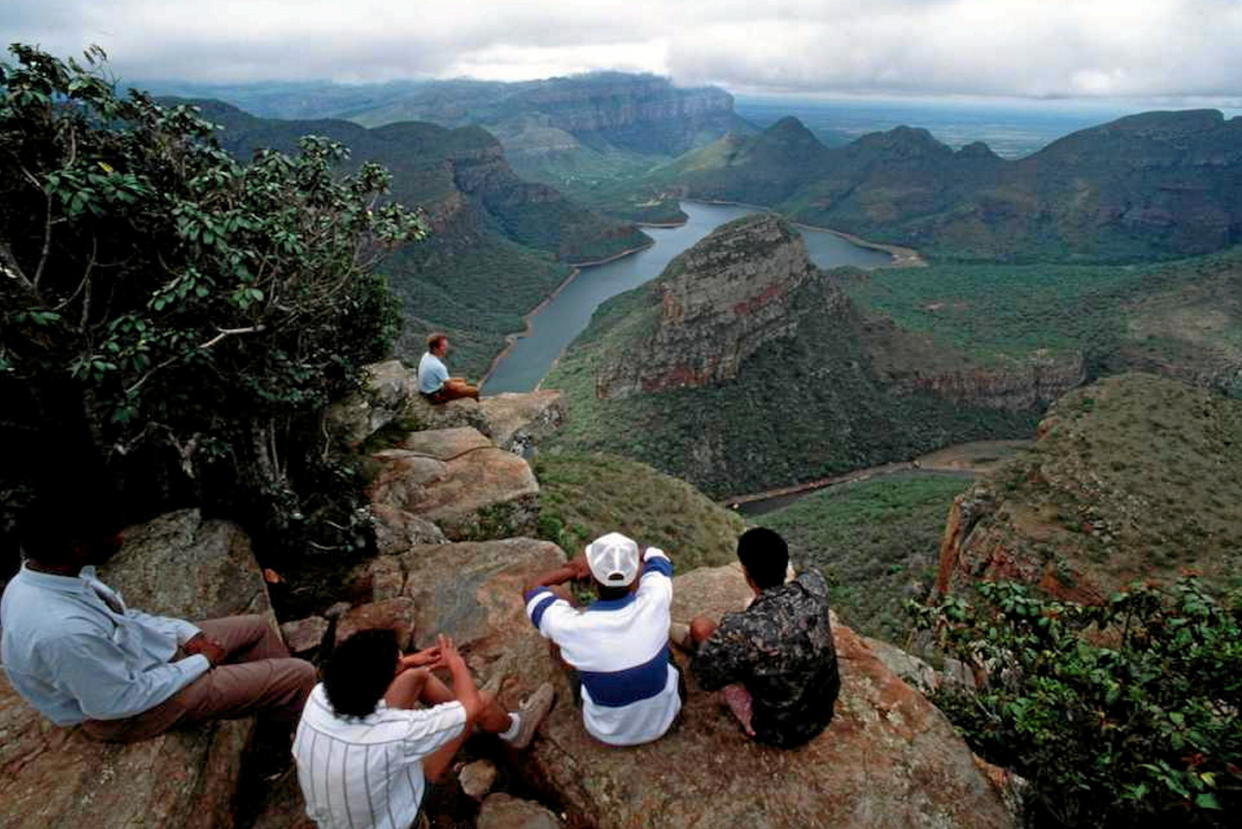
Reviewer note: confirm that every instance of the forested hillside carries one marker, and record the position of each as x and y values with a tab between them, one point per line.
499	244
1154	185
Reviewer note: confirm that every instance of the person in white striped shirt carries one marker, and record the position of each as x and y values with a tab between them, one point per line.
362	747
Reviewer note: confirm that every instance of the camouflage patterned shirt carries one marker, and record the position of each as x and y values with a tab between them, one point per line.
780	648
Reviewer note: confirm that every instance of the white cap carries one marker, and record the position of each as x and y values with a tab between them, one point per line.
613	559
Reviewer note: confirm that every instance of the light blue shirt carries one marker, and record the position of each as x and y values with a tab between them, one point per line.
431	373
72	650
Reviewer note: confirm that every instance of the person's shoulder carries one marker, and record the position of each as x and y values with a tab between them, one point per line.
813	582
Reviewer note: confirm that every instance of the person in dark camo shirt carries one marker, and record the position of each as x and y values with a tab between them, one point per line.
775	661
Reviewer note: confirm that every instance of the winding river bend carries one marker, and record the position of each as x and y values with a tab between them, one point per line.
555	325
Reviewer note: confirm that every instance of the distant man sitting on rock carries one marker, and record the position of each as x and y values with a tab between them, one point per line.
74	651
776	660
364	746
434	382
618	645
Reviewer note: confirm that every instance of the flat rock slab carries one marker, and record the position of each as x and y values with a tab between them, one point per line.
445	444
480	492
889	758
517	422
177	565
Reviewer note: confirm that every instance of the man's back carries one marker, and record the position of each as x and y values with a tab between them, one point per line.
431	373
620	650
781	649
367	772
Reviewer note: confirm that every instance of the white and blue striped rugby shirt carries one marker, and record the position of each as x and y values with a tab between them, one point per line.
367	772
620	650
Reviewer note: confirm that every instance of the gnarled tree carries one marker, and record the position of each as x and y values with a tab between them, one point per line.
173	321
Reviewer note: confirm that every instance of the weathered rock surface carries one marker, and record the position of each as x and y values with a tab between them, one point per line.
502	811
176	565
397	530
396	614
180	565
387	387
458	479
473	592
518	422
304	636
719	303
889	758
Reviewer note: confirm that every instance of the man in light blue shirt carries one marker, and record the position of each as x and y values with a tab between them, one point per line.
434	382
74	651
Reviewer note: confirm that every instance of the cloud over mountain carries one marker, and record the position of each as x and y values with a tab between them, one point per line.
970	47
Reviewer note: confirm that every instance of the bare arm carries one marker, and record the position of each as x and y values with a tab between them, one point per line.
576	569
464	689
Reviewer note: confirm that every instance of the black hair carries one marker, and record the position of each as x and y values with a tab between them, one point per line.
360	671
765	556
51	533
612	592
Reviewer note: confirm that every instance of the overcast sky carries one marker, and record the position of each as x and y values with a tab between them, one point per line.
1172	49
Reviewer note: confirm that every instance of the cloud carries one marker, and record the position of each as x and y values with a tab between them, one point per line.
1034	48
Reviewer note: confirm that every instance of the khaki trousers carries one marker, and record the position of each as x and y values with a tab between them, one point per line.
454	388
258	678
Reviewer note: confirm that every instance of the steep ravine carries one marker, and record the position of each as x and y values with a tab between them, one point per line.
744	368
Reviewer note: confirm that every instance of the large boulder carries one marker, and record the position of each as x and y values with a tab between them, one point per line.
889	758
518	422
177	565
458	479
389	397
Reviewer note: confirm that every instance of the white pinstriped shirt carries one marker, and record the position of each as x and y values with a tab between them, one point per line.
367	773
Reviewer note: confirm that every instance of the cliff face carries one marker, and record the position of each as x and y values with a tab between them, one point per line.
718	304
1134	477
910	363
745	368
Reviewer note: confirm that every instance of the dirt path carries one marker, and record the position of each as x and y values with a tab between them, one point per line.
964	460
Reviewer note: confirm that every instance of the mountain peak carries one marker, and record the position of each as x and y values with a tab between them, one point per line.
904	141
978	150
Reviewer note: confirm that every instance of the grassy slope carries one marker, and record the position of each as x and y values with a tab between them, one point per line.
826	415
584	495
1187	312
877	542
1137	476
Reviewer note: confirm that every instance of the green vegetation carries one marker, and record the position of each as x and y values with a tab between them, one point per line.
584	495
876	541
501	244
173	321
1115	314
828	414
1121	714
1135	476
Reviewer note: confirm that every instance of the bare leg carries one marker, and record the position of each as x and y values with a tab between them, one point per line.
739	701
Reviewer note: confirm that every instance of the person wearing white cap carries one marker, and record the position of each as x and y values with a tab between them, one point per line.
618	645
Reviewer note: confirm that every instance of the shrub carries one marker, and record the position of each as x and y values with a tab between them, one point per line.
1120	714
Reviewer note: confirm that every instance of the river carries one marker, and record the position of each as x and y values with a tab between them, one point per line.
554	326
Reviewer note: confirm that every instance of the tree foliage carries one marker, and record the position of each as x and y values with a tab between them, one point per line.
1121	714
174	321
